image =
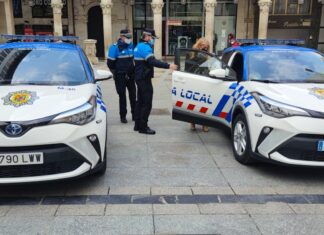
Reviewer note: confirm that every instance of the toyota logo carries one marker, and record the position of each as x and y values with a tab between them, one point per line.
13	129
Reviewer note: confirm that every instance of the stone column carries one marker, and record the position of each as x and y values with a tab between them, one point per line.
157	6
90	50
264	17
57	6
106	6
10	22
210	21
130	15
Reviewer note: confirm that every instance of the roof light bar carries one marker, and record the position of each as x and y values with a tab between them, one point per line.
42	38
271	41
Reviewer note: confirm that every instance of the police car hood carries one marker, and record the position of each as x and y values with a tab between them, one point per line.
26	103
304	95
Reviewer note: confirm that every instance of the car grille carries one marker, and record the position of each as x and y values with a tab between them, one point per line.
57	159
302	147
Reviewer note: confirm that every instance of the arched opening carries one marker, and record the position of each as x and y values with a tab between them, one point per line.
95	29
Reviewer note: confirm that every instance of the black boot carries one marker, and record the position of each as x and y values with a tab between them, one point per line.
136	126
123	120
147	131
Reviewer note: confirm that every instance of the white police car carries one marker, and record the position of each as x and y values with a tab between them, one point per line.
52	117
273	103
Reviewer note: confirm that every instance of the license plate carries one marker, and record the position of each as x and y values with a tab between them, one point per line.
320	146
16	159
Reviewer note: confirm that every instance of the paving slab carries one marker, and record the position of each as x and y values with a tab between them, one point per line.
269	208
290	224
204	224
179	160
176	209
212	190
129	209
78	225
127	160
129	177
243	190
187	177
78	210
179	147
4	210
115	190
309	209
219	208
171	191
32	211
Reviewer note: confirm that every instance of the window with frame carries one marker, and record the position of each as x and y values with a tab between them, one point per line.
291	7
17	9
43	9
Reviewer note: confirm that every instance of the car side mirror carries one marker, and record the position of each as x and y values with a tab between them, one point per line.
218	73
102	75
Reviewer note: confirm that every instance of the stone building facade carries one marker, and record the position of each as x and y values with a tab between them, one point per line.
178	22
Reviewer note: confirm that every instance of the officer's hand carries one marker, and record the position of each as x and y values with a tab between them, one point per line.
173	67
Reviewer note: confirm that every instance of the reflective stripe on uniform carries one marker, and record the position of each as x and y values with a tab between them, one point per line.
124	56
148	56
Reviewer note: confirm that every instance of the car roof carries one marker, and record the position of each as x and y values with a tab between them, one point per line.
249	48
39	45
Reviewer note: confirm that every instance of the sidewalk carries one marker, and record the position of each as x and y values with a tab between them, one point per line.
175	182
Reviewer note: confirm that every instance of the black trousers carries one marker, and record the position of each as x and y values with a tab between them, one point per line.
122	82
144	102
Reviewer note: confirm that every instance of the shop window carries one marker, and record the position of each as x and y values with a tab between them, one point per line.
290	7
178	8
43	9
225	9
17	9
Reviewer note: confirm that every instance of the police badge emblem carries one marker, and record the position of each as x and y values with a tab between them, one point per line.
20	98
318	92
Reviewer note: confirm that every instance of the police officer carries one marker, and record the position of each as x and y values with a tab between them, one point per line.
121	64
144	72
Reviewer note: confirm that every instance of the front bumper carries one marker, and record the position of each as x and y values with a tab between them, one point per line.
68	152
292	141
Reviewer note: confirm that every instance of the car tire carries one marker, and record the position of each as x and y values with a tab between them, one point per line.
240	139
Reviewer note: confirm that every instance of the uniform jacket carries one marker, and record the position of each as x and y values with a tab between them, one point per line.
120	58
145	61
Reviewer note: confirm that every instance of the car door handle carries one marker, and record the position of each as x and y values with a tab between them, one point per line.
181	80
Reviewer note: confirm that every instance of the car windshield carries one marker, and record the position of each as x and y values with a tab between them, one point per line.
286	66
48	66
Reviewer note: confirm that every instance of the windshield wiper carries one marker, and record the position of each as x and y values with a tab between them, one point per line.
264	81
309	70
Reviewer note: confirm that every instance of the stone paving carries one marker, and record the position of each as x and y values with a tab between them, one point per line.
176	182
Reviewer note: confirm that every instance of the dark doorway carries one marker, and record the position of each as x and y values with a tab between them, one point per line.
95	29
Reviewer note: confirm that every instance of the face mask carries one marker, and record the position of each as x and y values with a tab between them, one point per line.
152	41
128	40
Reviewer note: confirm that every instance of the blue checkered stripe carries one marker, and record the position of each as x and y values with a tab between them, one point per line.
100	102
235	93
241	94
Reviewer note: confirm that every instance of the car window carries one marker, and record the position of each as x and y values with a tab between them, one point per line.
197	62
43	66
237	65
226	57
286	66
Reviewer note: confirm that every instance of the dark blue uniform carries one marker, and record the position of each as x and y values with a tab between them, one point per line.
144	72
120	62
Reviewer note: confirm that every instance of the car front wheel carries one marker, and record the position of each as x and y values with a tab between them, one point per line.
241	140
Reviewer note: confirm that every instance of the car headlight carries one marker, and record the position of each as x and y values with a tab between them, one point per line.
276	109
78	116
